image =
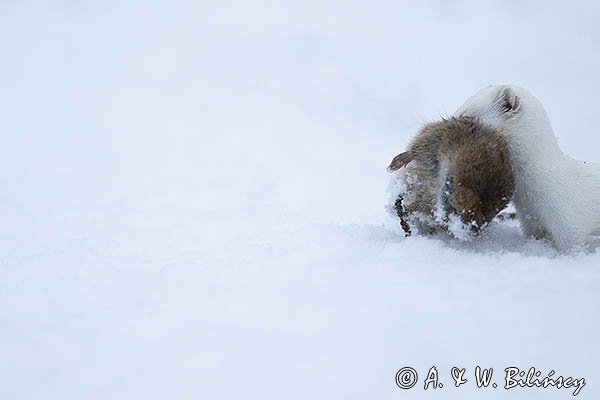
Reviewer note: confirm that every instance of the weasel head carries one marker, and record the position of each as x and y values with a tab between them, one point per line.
512	111
495	106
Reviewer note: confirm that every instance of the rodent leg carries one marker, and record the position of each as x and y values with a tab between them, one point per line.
403	216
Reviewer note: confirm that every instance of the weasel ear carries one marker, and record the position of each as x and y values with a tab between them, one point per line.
400	161
509	102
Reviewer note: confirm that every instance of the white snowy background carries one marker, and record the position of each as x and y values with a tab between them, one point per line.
192	200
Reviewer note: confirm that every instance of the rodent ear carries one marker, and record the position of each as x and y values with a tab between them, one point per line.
508	101
400	161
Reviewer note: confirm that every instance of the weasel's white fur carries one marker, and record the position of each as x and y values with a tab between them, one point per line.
556	196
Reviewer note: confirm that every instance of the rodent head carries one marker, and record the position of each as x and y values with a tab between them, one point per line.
480	180
473	210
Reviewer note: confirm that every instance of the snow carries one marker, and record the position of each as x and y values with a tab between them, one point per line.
193	200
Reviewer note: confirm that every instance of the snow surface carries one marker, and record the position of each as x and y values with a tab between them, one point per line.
192	196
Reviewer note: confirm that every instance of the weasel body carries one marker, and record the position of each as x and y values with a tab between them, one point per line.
556	196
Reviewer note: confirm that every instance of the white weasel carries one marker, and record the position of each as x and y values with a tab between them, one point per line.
556	196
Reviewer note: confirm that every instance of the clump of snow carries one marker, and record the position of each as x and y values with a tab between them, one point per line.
458	228
397	186
438	222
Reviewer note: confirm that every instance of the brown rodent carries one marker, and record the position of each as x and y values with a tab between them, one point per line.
453	167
